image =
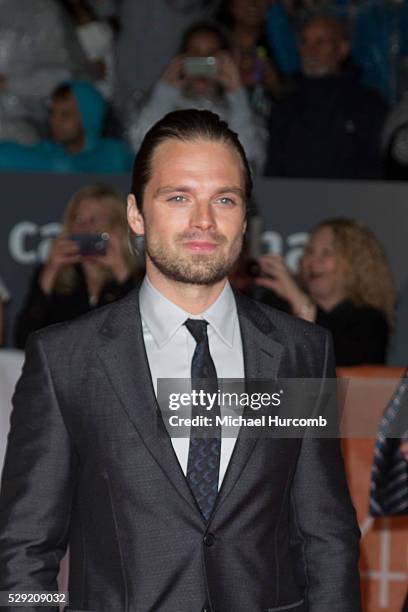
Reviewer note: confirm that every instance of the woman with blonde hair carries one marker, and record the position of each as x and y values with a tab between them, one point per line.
91	263
344	284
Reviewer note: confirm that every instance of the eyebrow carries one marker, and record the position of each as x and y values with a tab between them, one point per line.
187	189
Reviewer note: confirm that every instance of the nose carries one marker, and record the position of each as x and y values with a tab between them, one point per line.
83	226
308	261
308	51
55	116
86	227
202	216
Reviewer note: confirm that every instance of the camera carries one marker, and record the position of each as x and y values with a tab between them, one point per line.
91	244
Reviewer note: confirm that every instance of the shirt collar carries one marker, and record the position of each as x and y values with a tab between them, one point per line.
164	318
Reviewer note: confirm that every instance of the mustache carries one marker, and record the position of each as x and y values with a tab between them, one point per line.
211	236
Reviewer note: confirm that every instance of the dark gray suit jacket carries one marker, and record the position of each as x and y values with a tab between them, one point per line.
85	466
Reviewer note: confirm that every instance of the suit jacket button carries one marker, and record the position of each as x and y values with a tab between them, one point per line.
209	539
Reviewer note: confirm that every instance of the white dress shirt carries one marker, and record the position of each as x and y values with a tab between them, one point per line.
170	348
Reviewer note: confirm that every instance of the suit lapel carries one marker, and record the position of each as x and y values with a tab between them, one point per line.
123	355
262	356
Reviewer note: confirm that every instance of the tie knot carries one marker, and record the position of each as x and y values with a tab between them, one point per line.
197	328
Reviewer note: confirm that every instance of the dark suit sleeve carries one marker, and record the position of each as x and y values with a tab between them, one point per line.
324	522
38	482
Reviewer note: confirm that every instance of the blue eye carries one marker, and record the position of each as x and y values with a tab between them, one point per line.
225	200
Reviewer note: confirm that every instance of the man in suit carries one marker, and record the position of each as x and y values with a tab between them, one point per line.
160	524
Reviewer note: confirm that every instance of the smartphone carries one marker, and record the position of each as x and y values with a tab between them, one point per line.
200	66
91	244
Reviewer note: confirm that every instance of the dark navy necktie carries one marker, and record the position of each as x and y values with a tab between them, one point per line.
389	478
205	445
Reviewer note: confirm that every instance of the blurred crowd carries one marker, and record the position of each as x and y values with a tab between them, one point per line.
313	88
343	283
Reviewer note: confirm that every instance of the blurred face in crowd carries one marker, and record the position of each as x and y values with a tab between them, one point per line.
193	217
90	216
65	122
202	44
248	14
322	47
323	270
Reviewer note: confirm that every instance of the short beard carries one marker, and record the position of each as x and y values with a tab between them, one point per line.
194	269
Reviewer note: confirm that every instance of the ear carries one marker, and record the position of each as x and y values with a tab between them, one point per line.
244	227
134	216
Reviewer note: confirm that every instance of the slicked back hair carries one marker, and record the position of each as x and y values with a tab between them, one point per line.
188	126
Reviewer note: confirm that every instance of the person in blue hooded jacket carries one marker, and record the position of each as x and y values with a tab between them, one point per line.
75	122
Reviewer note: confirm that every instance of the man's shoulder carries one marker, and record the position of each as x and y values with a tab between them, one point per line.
303	349
366	98
287	106
84	330
285	326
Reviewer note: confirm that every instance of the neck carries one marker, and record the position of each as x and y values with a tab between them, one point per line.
94	278
83	18
194	299
329	303
245	36
75	146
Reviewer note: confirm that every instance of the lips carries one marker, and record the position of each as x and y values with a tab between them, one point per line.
202	246
312	276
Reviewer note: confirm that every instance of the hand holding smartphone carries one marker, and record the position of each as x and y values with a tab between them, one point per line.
91	244
200	67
